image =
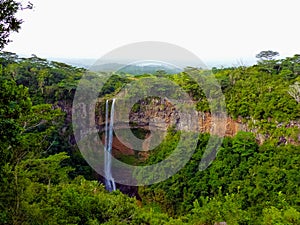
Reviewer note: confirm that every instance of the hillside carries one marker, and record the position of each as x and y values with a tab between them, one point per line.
253	180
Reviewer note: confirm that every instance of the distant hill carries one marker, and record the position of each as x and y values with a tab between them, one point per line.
113	66
83	63
136	69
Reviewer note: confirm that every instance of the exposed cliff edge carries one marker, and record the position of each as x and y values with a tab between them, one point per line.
161	113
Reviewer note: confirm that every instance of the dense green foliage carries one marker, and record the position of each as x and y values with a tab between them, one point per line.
41	168
242	183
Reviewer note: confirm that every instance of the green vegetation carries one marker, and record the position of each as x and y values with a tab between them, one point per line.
45	180
240	186
9	21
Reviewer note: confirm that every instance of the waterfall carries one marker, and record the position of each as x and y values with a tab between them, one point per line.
109	180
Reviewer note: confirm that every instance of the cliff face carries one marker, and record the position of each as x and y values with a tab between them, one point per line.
162	114
159	114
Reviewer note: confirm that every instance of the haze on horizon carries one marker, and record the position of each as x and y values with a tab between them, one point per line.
218	32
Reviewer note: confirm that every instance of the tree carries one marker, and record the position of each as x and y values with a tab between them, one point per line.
8	20
267	55
267	61
14	103
160	73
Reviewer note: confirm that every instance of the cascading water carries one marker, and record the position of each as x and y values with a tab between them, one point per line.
109	181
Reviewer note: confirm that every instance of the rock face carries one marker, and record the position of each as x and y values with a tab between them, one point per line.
159	114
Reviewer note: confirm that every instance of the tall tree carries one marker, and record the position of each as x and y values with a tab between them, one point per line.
267	61
267	55
8	20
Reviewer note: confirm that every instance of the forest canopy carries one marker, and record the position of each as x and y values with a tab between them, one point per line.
45	180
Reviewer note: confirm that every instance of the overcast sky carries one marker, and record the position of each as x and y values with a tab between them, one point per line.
215	30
